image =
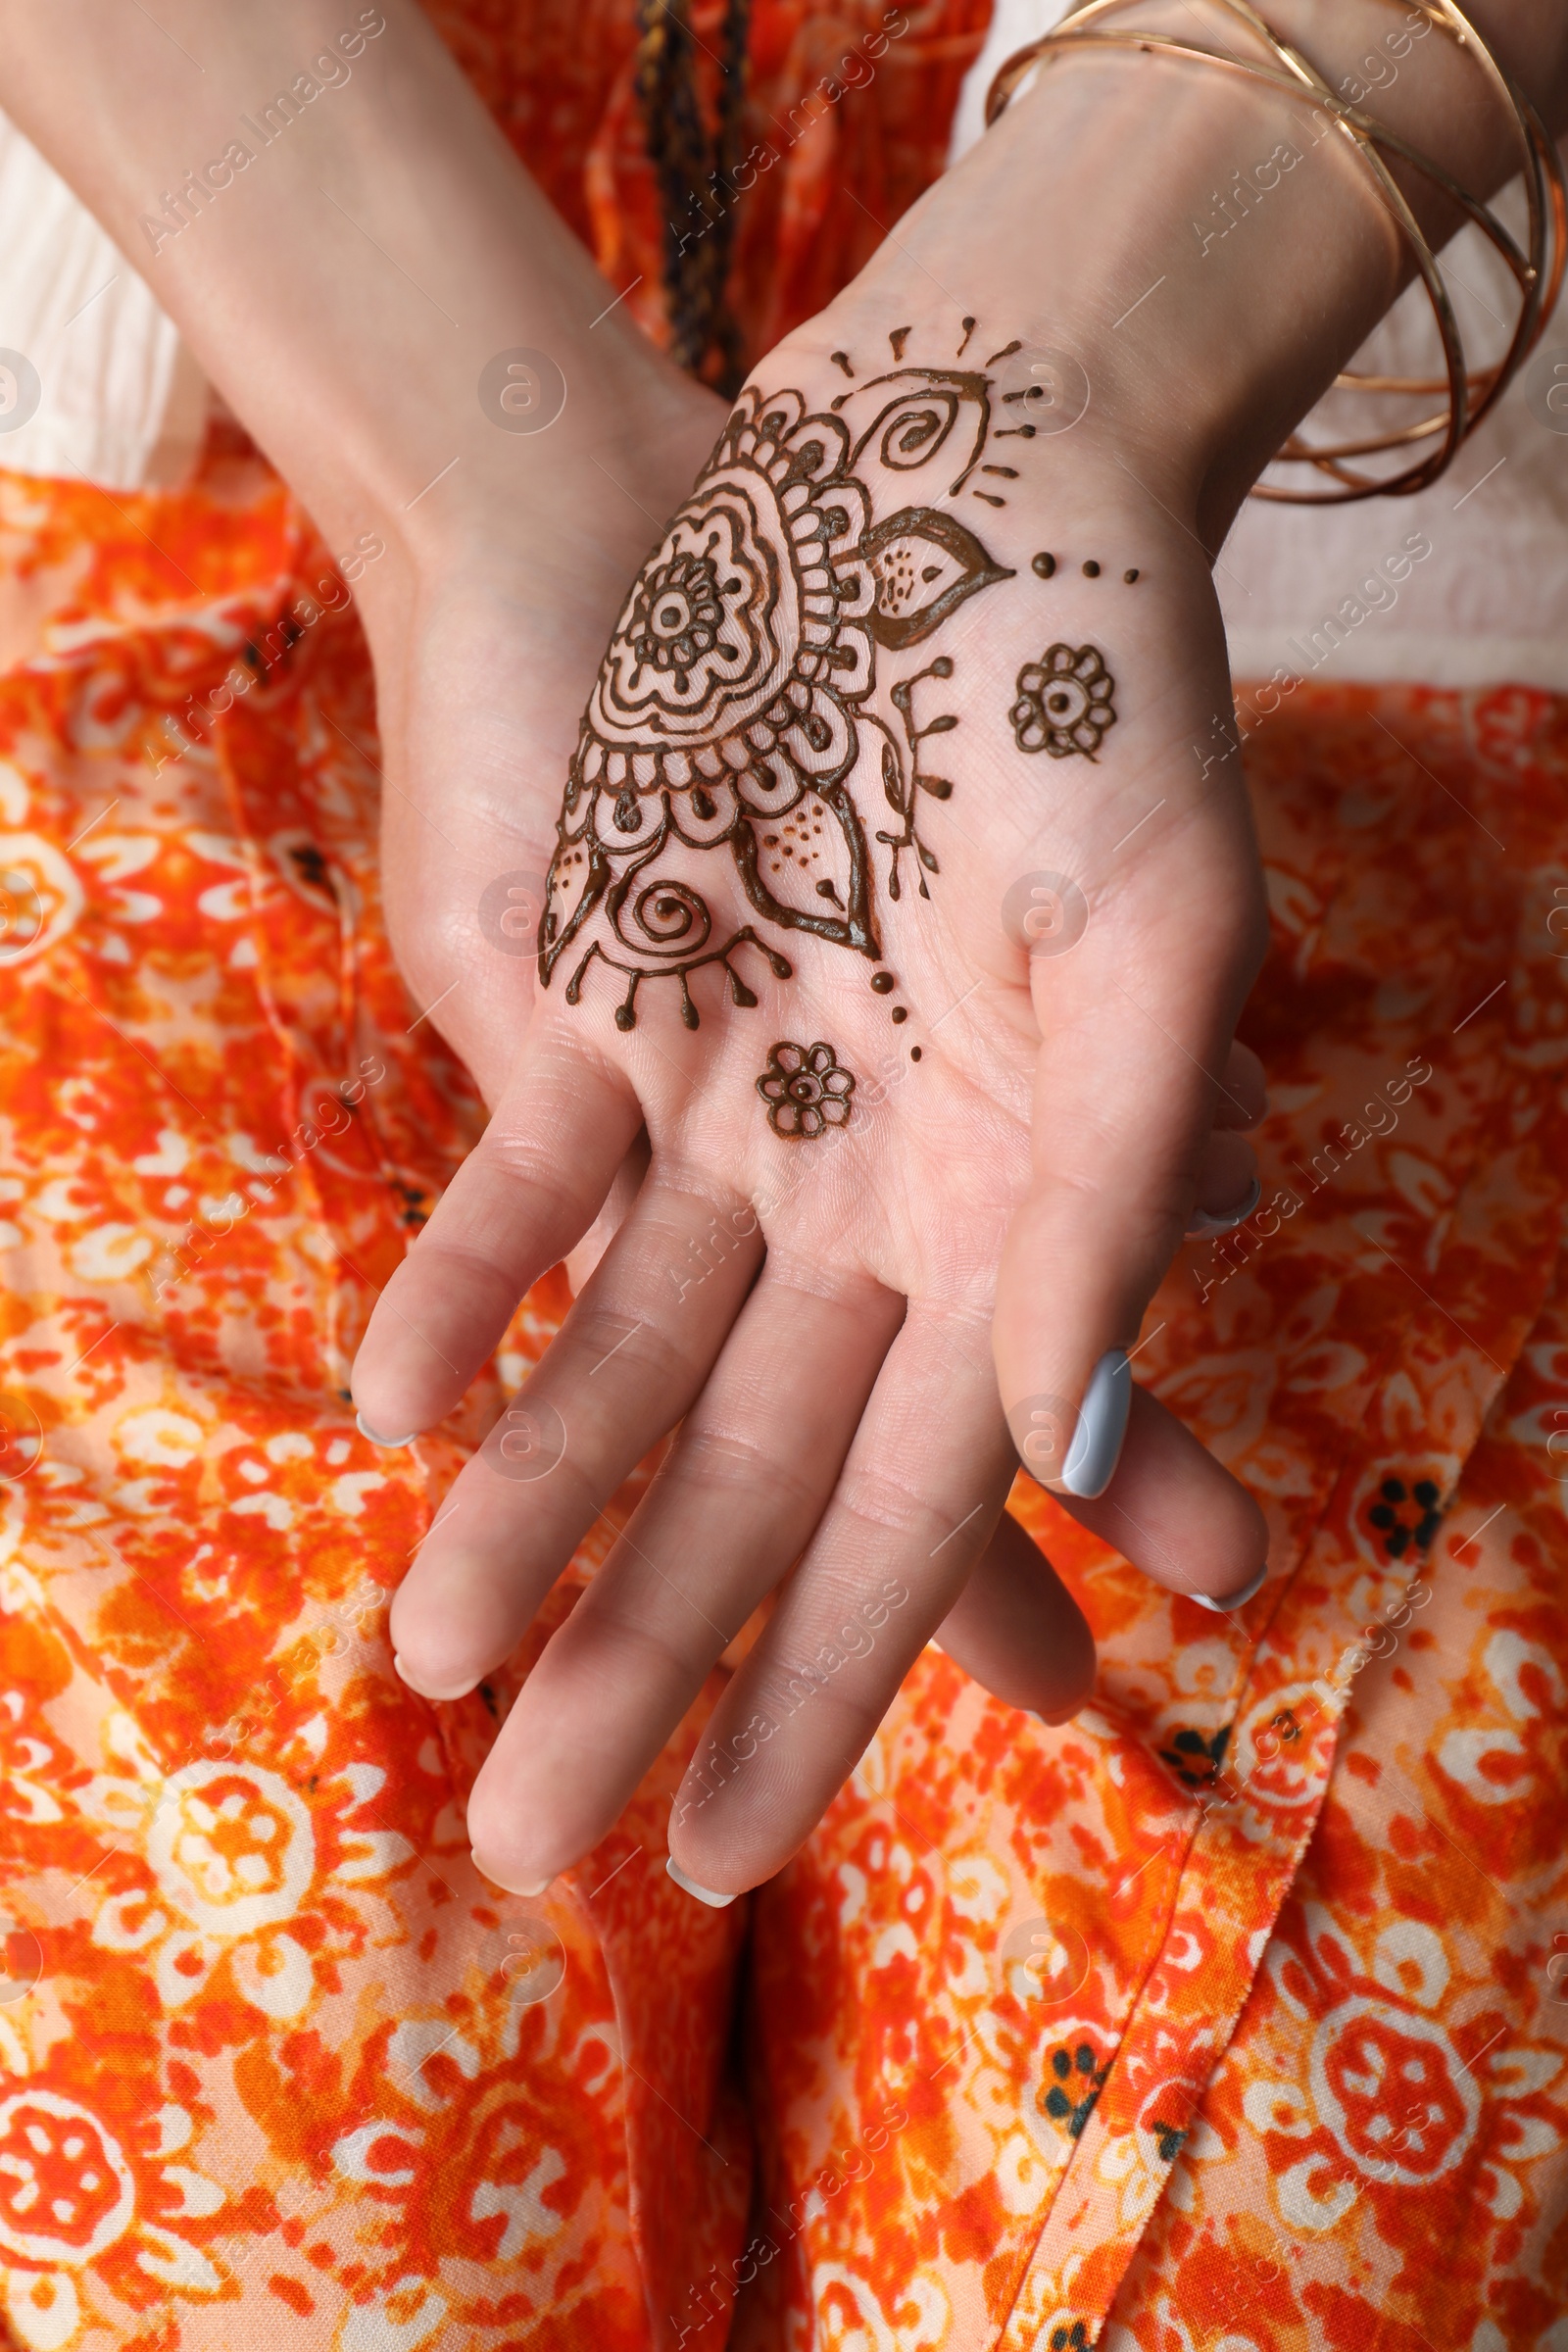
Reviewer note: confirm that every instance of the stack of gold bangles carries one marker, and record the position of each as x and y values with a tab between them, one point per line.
1537	273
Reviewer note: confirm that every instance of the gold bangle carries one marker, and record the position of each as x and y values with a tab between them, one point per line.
1537	273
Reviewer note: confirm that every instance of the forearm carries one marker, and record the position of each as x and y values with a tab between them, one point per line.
343	265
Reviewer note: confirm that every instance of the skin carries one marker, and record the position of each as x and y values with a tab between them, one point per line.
985	1236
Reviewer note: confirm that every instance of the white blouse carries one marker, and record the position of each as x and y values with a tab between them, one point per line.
106	390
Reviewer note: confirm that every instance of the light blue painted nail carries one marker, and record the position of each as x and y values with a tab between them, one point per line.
704	1894
1236	1600
1096	1442
375	1437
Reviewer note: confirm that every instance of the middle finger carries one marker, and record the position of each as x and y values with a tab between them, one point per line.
744	1485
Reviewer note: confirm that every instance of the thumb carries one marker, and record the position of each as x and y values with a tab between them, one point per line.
1136	998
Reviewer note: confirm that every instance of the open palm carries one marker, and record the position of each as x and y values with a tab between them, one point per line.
888	894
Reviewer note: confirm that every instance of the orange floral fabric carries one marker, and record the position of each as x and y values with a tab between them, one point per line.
1214	2013
847	122
1208	2020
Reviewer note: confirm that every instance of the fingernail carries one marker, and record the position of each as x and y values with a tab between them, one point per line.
523	1886
1096	1447
1055	1722
375	1437
1236	1600
704	1894
459	1691
1201	1222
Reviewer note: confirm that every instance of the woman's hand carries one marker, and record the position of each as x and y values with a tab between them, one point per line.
905	634
354	315
909	689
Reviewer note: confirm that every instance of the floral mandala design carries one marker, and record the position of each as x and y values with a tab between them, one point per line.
805	1089
1064	702
677	615
729	711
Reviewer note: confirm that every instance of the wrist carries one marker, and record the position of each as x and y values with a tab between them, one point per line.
1211	251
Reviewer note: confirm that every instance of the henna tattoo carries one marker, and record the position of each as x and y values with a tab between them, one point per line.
898	339
968	330
730	711
806	1088
925	563
1064	702
841	359
900	784
676	914
1046	565
884	983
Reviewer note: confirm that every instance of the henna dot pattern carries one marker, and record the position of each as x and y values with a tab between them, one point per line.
1090	569
900	1012
1044	564
914	1052
807	1089
1064	702
882	982
1130	576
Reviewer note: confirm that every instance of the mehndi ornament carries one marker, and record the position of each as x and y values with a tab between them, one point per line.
806	1088
1064	704
730	715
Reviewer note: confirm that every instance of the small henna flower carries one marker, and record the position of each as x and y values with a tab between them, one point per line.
1064	702
805	1089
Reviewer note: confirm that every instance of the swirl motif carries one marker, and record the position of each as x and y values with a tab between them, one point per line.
916	431
669	916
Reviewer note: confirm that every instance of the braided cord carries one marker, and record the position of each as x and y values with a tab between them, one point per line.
695	170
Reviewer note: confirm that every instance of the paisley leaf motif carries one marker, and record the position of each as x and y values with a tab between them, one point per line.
812	871
924	563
